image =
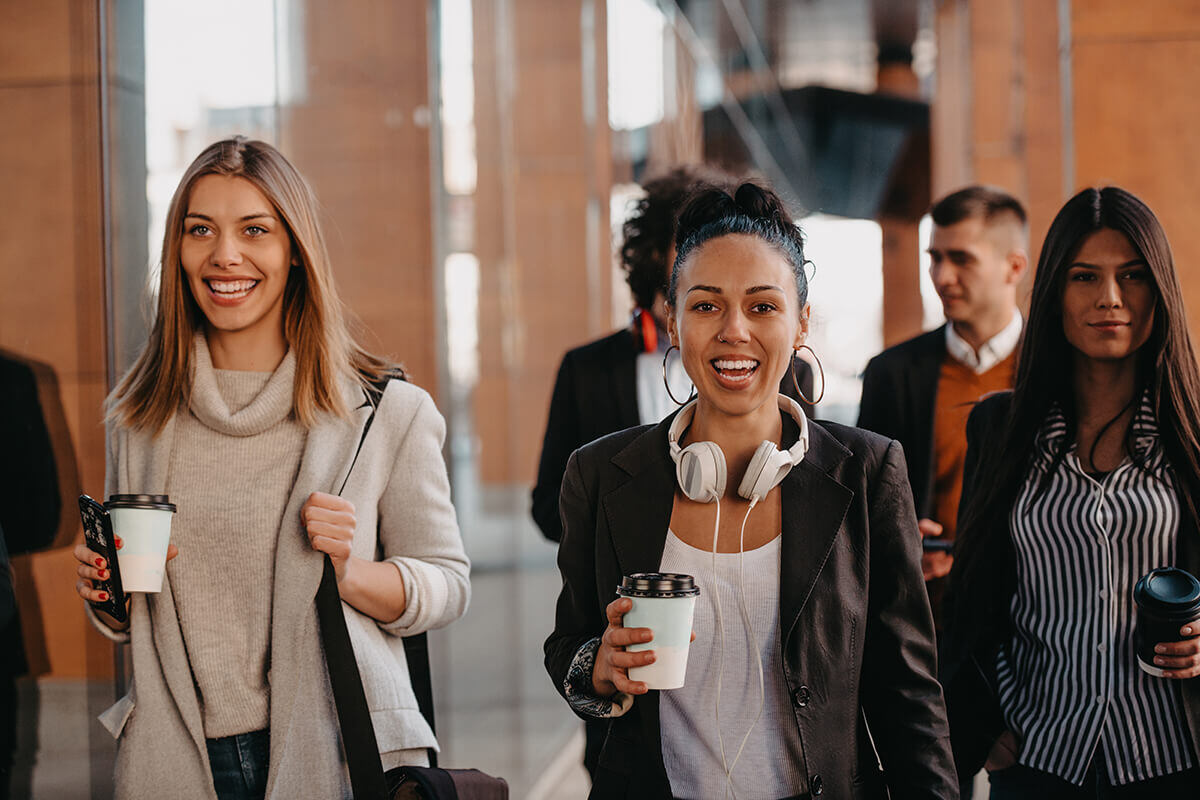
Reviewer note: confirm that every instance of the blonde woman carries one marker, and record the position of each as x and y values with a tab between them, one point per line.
246	407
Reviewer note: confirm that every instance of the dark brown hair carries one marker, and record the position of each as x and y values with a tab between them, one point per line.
650	229
1166	370
752	210
985	202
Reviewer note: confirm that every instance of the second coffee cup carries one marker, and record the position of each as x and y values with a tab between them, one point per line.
143	523
664	603
1167	598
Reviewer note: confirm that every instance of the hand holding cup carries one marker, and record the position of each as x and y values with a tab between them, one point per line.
1180	659
94	567
611	671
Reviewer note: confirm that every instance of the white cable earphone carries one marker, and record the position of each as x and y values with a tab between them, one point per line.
701	473
700	467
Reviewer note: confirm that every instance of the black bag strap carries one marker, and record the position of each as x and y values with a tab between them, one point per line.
354	717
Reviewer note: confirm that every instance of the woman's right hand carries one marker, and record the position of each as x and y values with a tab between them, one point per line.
94	567
611	671
1003	753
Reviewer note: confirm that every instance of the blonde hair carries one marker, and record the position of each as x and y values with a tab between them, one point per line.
314	322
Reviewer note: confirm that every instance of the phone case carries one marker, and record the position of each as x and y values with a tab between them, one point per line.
98	533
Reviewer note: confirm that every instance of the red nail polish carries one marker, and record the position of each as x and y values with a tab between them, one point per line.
99	562
103	574
104	595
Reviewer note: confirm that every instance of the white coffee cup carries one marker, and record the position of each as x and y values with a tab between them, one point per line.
664	603
143	523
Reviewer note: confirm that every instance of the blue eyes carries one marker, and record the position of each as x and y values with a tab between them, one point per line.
253	231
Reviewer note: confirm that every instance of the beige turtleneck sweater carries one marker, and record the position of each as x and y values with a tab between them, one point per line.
235	458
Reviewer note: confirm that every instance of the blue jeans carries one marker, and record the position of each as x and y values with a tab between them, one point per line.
239	765
1019	782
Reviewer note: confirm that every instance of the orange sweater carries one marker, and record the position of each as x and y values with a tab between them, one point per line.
958	389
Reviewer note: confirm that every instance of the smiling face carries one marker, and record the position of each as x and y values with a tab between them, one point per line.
736	321
1108	298
237	255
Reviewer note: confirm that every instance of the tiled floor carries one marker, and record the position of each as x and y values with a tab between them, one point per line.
497	708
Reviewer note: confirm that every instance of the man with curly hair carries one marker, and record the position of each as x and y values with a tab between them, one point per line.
616	382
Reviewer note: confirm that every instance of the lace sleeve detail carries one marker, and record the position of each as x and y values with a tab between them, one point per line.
578	687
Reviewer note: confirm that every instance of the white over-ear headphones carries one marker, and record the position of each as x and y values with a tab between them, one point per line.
700	467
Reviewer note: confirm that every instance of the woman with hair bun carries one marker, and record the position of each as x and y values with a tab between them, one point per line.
1079	482
812	669
248	406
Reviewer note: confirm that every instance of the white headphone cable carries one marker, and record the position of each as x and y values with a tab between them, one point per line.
745	608
721	659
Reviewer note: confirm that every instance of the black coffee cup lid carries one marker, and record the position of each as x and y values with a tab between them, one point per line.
658	584
156	502
1168	589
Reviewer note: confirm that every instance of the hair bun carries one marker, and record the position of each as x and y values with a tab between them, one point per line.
758	203
707	204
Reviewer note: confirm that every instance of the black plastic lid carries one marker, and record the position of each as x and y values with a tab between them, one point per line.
156	502
657	584
1168	590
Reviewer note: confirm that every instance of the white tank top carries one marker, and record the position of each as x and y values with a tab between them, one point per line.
770	764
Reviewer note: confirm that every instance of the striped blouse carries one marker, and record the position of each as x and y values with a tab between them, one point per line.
1069	681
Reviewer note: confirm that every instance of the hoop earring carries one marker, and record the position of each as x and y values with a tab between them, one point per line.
796	383
670	394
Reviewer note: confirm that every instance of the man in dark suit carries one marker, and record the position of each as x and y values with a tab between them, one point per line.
920	391
617	382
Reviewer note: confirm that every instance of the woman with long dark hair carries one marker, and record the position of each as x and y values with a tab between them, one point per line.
1078	482
812	668
249	406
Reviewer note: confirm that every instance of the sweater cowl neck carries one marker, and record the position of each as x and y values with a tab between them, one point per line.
239	403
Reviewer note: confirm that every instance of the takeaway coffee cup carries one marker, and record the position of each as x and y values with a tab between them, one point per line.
1167	599
143	522
662	602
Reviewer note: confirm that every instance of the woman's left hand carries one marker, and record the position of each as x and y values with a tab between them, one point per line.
329	521
1182	659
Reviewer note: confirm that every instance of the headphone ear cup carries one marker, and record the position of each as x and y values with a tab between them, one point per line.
767	468
700	471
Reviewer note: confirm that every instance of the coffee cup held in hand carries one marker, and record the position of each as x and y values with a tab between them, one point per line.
662	602
143	523
1167	598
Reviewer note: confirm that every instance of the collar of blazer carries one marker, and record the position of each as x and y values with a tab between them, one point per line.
637	509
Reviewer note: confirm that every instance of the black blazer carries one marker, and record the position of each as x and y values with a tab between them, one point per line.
855	621
29	494
898	398
595	394
978	617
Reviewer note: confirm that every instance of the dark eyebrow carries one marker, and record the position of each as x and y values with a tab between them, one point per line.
246	218
1135	262
948	252
718	290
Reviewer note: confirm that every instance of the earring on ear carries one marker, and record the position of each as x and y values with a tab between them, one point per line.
796	383
671	394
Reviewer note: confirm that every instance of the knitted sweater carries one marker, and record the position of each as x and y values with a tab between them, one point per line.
401	494
234	462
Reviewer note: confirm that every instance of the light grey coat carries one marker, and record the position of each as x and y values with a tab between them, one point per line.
401	495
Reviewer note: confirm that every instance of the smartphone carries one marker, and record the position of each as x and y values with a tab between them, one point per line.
98	533
931	545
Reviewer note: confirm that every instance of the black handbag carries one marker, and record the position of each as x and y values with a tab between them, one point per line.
368	781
